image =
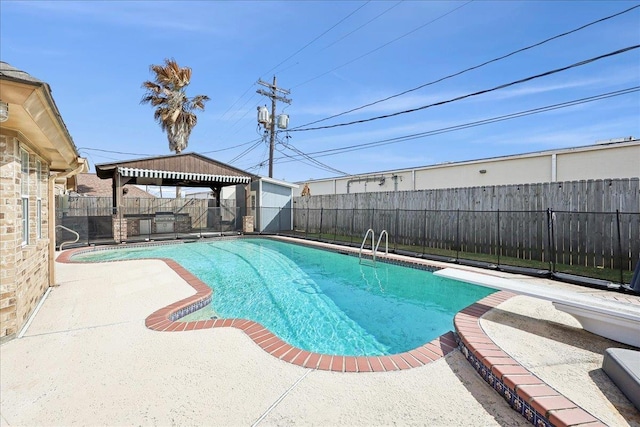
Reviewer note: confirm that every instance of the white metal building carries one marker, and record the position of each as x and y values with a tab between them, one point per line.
613	159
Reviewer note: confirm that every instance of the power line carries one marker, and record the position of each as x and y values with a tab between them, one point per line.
362	26
235	102
348	34
382	46
458	98
153	155
316	163
229	148
247	111
247	151
313	165
294	54
312	41
474	67
117	152
496	119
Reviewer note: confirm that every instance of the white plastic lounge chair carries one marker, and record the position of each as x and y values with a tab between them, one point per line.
611	319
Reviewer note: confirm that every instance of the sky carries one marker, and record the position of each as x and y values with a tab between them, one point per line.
334	57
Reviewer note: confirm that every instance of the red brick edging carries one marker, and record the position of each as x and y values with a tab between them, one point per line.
525	393
161	320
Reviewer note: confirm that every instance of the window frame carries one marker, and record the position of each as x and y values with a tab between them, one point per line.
38	199
24	194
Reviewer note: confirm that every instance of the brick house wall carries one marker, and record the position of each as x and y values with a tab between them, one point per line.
24	276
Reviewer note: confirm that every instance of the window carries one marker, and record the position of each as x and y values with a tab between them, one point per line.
39	199
24	191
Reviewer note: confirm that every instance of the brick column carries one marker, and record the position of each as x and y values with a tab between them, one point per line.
119	227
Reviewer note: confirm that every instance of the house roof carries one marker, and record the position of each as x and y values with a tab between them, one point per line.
35	118
88	184
10	72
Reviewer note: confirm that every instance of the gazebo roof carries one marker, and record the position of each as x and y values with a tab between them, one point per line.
183	170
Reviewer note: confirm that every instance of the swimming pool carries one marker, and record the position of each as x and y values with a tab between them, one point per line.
318	300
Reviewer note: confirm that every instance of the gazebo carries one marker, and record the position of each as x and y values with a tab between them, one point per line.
180	170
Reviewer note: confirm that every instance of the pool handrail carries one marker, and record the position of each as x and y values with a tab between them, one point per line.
373	247
68	241
386	243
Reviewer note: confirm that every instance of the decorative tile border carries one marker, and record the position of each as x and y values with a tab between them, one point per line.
355	252
527	394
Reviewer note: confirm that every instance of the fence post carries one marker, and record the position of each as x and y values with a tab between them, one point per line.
320	231
457	234
335	227
551	238
395	238
424	232
499	245
306	227
373	213
88	230
353	220
619	246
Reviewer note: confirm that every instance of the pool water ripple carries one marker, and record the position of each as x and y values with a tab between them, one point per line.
317	300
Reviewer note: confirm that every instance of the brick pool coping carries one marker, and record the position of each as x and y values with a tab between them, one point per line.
527	394
524	392
167	318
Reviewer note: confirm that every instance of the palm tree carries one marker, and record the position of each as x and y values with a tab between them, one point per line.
174	110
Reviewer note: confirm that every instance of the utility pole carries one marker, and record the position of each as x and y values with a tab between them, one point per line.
273	94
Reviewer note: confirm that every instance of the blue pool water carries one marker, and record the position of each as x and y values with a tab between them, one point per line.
319	300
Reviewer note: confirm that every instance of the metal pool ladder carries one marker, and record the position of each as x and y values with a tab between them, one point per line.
374	248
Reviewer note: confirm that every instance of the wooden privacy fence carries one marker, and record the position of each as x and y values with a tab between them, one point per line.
99	206
587	223
590	239
573	196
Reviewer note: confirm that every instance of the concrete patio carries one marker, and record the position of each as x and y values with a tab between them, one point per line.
88	359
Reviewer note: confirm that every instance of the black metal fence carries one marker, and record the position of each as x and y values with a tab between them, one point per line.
102	227
599	245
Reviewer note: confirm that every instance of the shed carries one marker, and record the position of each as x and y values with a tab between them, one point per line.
268	203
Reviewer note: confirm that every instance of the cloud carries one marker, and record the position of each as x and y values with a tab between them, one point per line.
165	16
